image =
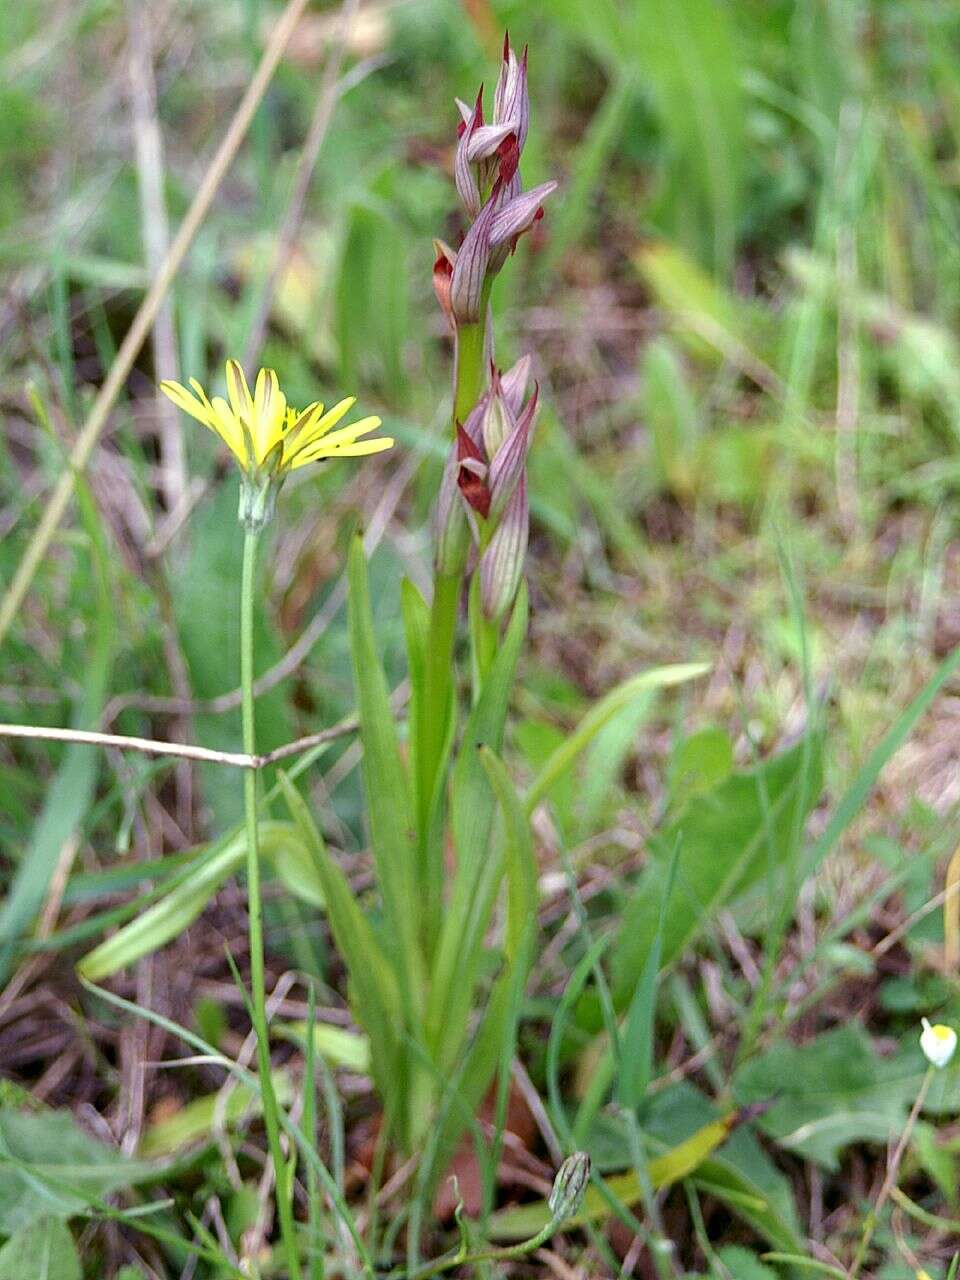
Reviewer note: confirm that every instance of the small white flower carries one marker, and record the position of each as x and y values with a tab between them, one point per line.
938	1043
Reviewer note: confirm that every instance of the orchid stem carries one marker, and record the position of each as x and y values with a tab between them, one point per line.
440	674
255	913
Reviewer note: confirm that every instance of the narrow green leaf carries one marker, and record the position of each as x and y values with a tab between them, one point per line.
521	865
636	1042
201	1118
597	143
416	625
375	997
71	793
496	1034
173	913
856	794
675	421
599	714
387	790
690	62
664	1170
479	868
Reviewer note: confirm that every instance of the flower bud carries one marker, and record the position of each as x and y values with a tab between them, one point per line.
470	270
509	463
518	215
513	384
498	420
472	473
494	235
453	532
511	100
452	528
569	1186
442	275
501	565
463	173
938	1043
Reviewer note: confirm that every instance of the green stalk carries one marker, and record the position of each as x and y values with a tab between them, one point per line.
439	676
255	912
464	1259
469	369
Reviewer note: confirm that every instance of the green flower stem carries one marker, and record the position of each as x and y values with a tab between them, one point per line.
890	1181
255	913
447	587
469	371
463	1259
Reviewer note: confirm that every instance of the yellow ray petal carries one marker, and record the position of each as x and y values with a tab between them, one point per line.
229	430
332	417
308	444
347	435
269	412
182	398
364	447
359	450
239	393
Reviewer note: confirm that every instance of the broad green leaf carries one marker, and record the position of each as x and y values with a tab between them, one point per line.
599	715
741	1173
173	913
50	1167
296	869
735	461
371	300
387	789
479	868
42	1251
701	762
743	1264
826	1094
725	839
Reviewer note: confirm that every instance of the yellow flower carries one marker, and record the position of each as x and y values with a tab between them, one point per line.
264	434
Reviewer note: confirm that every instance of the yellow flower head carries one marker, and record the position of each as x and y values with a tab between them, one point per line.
264	433
269	438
